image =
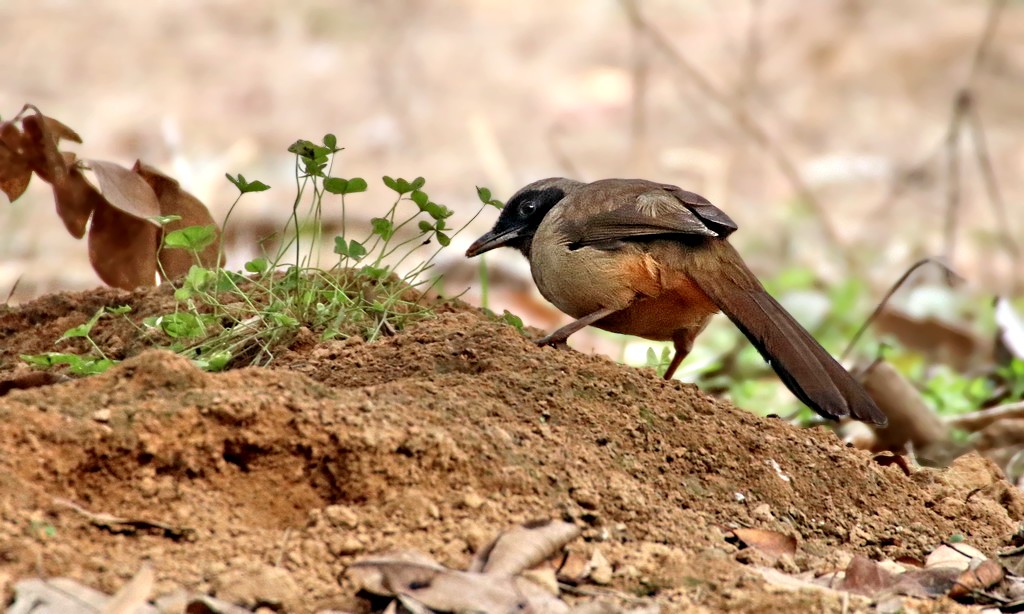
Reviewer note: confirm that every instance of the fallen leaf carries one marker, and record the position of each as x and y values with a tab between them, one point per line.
523	547
771	543
134	594
866	577
448	590
987	573
957	557
118	524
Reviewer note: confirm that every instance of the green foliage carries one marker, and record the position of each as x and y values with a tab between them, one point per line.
225	318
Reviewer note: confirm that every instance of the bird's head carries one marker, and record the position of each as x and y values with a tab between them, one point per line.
522	215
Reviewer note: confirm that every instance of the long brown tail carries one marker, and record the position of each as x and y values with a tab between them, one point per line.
802	364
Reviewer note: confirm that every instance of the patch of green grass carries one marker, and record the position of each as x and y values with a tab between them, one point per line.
226	318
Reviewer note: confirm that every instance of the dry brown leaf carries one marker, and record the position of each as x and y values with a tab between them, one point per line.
866	577
978	578
75	200
910	419
176	201
125	190
404	566
133	595
771	543
122	248
523	547
457	591
15	172
40	147
951	344
957	557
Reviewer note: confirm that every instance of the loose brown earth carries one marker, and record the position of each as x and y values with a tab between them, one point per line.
436	439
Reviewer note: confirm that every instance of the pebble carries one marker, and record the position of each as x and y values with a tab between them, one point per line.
261	585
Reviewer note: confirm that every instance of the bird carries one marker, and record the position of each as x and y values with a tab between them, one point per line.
653	260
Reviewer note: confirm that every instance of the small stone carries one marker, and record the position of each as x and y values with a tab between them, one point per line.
473	501
261	585
600	569
762	512
341	516
101	415
344	545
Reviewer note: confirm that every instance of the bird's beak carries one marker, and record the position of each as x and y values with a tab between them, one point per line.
493	240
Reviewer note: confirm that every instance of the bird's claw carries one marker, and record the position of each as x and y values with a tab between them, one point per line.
558	344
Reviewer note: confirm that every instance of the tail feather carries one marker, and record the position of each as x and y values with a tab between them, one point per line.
806	368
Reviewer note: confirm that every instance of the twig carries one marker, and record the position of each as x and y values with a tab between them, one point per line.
991	184
638	106
13	288
117	524
746	122
950	275
977	420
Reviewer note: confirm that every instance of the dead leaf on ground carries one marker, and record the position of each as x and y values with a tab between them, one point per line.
134	594
940	341
448	590
523	547
771	543
987	573
866	577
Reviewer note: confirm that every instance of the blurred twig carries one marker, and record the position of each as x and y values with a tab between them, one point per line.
977	420
745	121
950	274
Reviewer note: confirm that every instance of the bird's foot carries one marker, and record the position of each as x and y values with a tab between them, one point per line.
557	342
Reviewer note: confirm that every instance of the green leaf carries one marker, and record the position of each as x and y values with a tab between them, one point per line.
330	141
337	185
258	265
443	239
353	249
420	198
92	366
50	359
426	226
213	362
181	325
83	330
398	185
246	186
418	183
373	272
164	220
510	318
383	227
119	311
193	238
485	197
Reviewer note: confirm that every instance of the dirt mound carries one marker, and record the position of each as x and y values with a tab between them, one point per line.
436	439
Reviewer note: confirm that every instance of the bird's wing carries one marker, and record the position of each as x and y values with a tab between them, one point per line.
634	210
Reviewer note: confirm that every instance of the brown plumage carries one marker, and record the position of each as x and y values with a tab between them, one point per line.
647	259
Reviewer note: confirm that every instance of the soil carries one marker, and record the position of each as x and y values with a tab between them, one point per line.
436	439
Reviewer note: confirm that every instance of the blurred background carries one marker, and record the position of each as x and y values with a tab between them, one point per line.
847	138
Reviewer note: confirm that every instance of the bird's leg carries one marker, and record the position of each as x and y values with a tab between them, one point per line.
559	337
683	341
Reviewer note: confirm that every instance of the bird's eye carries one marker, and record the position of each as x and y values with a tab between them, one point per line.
528	207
